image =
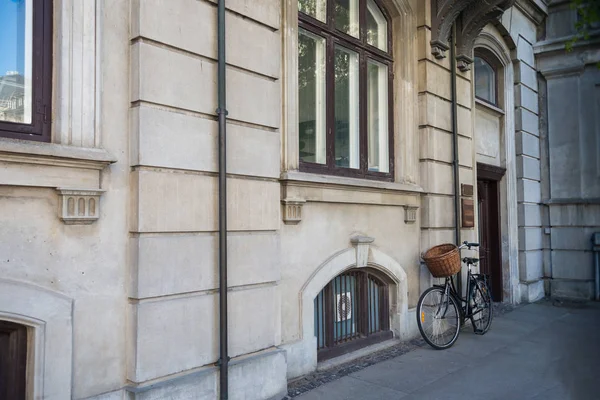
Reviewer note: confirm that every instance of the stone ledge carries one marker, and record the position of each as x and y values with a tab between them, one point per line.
26	163
480	104
29	152
317	180
299	188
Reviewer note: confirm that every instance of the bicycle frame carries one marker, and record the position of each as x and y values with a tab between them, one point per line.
464	302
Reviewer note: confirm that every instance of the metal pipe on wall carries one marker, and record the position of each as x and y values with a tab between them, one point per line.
222	115
596	250
455	147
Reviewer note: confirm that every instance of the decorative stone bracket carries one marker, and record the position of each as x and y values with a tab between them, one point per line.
79	206
292	211
410	214
471	16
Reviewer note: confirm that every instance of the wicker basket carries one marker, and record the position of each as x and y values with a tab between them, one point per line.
443	260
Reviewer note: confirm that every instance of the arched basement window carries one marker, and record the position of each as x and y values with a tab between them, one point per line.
13	361
485	81
352	311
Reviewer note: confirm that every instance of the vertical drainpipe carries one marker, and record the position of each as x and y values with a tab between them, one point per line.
222	114
455	148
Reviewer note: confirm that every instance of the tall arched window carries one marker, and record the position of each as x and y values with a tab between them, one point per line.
345	88
485	81
352	311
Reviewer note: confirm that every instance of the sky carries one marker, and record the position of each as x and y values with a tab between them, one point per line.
8	35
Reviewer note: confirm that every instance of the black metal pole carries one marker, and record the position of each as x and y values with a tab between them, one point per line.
455	149
222	114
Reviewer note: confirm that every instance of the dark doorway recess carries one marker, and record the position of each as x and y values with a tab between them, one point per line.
13	361
490	251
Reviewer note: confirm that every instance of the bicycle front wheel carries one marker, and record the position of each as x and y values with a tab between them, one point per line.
438	318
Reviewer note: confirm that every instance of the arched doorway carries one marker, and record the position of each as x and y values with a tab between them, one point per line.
352	311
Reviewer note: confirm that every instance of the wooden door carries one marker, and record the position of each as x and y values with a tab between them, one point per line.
13	361
489	235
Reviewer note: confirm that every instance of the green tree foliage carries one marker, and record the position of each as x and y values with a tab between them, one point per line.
588	18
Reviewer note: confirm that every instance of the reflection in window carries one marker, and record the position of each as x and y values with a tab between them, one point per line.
346	108
314	8
485	81
311	97
346	16
16	61
377	116
344	97
376	26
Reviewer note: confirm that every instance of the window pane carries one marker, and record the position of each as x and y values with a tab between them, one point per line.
346	108
346	16
314	8
377	116
376	26
485	81
15	60
311	97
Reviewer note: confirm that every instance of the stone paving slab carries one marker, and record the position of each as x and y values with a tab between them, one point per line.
540	351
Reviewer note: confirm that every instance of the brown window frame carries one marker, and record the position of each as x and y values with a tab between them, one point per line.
363	335
40	128
365	52
494	66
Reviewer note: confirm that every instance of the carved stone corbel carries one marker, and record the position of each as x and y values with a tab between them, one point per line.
470	24
79	206
292	211
471	16
410	214
443	15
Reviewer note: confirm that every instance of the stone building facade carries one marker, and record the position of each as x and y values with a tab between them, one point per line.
109	221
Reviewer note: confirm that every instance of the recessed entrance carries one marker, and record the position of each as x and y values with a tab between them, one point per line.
351	312
488	194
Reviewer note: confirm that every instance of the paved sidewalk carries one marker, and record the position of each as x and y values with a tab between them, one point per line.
539	351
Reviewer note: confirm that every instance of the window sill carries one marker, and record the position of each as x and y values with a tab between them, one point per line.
299	188
354	183
28	163
489	107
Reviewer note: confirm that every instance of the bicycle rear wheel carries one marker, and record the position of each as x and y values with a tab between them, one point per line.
438	318
482	312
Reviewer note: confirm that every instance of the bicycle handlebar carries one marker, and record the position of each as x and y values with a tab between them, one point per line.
469	245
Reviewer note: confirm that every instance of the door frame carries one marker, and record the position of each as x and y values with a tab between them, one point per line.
486	172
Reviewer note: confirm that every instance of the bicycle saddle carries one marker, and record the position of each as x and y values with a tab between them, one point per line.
470	260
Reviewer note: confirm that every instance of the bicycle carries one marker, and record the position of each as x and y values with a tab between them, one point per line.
439	315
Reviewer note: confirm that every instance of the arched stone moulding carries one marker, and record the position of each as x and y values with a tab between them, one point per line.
302	355
48	318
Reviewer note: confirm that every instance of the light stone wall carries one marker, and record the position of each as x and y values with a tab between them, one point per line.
570	153
436	151
68	282
173	312
142	281
522	26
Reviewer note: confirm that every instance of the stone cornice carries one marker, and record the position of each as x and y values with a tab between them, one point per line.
537	11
